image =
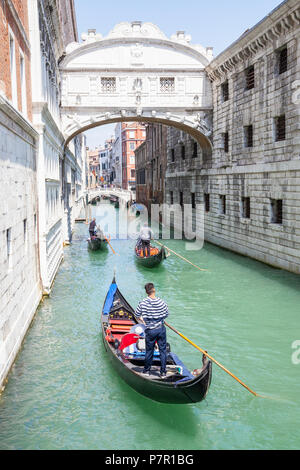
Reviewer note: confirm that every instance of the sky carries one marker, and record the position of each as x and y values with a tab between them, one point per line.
216	23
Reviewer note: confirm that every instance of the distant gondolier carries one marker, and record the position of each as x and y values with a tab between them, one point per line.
145	236
92	227
153	311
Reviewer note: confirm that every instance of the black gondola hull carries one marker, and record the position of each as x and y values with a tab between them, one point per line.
151	261
177	391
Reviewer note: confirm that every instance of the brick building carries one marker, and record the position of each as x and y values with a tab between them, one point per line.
132	135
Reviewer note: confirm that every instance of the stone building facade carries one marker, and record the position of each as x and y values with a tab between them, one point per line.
20	283
132	135
250	185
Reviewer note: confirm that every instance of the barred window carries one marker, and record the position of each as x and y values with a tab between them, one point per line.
225	91
108	85
282	60
222	204
250	78
225	137
280	128
246	207
167	84
207	202
276	211
248	136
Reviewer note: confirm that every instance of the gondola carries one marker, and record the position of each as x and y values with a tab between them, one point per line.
156	255
96	243
120	328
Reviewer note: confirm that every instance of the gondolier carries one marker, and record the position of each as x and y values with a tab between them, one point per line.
145	236
153	311
92	227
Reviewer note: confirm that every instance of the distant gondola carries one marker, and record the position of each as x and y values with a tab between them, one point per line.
156	255
120	327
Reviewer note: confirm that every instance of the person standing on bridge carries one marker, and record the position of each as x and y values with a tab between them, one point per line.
152	312
92	227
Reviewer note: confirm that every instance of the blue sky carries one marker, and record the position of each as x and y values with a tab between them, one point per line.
216	23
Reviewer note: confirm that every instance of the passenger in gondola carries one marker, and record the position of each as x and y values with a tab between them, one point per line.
153	312
146	235
92	227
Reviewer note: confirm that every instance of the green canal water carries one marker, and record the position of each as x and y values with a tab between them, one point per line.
62	392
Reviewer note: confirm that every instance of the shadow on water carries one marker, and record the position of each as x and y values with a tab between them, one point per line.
257	267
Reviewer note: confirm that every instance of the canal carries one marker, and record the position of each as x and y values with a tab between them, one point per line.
62	393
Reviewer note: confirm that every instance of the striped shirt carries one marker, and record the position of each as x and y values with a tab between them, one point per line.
154	311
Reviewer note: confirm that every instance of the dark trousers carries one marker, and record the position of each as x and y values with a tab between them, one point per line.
92	233
159	335
146	247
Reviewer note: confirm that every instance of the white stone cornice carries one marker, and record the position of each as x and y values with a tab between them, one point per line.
283	19
17	118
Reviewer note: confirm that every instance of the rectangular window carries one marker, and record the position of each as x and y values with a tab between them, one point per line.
225	92
141	176
248	133
195	150
193	200
131	134
132	145
8	243
246	207
167	84
181	198
183	152
276	211
226	142
282	60
171	197
172	155
23	84
13	77
280	128
108	85
132	173
250	78
222	204
206	202
24	230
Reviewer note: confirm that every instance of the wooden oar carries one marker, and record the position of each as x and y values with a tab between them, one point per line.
200	269
109	245
216	362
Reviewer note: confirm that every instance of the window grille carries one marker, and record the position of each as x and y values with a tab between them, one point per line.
222	205
167	85
276	211
249	136
226	142
207	202
250	78
225	91
246	207
280	128
282	59
108	85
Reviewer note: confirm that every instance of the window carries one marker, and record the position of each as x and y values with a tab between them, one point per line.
226	142
206	202
132	160
171	198
167	84
225	92
13	76
280	128
248	134
108	85
172	155
132	173
131	134
23	84
183	152
250	78
222	204
195	150
181	198
193	200
246	207
132	145
141	176
276	211
282	57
